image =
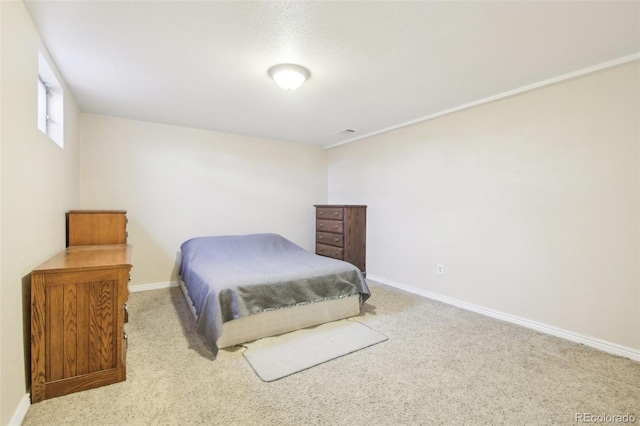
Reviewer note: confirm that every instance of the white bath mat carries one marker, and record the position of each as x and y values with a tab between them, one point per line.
276	357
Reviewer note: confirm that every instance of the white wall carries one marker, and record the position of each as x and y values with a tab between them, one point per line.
1	329
39	183
177	183
531	203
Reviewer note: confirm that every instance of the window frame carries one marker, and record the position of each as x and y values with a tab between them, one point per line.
50	103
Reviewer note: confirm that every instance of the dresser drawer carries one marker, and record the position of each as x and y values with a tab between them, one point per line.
330	226
330	213
331	239
329	251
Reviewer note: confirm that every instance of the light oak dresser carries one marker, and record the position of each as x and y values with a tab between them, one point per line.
341	233
78	308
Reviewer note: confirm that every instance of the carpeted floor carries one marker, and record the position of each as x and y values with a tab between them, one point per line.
441	366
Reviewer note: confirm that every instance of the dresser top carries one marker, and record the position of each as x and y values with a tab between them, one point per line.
340	205
97	211
89	257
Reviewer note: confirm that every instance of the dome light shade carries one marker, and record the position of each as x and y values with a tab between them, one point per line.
289	76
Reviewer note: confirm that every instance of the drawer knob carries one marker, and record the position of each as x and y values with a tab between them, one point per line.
335	240
335	226
335	254
319	225
320	212
335	213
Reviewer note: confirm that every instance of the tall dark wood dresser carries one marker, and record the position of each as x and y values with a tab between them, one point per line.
78	310
341	233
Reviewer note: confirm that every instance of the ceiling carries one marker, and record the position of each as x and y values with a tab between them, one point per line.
374	65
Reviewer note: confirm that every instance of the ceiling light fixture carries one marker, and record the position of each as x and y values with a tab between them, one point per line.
289	76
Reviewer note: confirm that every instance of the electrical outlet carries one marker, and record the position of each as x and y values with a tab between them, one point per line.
440	270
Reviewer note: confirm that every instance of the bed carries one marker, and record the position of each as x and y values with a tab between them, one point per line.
244	287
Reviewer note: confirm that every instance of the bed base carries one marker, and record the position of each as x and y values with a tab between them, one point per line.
279	321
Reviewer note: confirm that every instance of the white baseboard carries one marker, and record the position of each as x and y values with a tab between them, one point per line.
21	411
153	286
602	345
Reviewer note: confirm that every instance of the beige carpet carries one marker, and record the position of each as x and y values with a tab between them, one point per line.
273	358
440	366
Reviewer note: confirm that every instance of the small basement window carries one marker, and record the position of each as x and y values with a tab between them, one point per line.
50	102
